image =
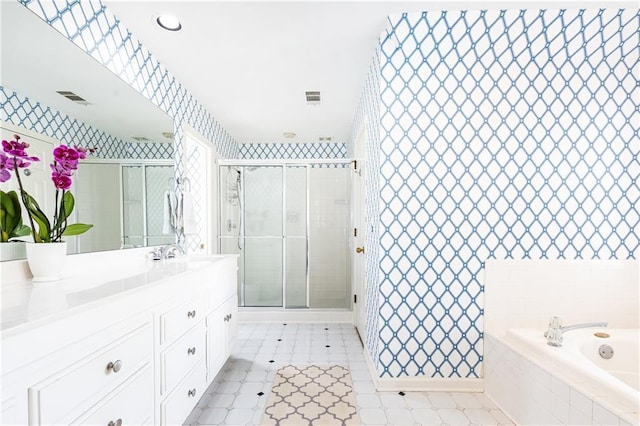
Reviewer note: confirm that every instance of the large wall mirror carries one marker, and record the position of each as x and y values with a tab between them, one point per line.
121	188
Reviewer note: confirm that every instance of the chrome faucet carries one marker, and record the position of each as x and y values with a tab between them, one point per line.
556	330
169	251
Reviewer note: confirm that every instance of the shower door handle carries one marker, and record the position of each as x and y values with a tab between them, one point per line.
359	249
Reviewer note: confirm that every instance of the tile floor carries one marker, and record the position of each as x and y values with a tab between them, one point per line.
239	393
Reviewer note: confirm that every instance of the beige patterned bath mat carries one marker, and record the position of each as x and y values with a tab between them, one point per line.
311	395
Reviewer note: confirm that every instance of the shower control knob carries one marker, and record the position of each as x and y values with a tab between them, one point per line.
359	249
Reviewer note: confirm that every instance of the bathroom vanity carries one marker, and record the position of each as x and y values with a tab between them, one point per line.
123	340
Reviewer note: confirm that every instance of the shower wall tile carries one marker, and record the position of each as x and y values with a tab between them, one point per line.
503	134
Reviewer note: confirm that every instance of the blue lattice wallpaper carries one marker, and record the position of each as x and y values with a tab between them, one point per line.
22	111
299	151
504	134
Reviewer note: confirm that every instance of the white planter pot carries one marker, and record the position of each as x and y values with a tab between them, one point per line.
46	260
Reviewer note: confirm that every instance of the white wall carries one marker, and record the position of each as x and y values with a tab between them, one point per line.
526	293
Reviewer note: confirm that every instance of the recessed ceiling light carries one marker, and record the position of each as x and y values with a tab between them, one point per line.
169	22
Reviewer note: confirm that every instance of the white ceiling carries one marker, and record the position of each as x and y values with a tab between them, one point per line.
249	63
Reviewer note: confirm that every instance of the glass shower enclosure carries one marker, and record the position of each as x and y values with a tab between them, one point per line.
289	225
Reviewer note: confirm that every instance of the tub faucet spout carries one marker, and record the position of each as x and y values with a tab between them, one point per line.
556	330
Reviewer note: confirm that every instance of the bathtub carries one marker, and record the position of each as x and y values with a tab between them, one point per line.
540	384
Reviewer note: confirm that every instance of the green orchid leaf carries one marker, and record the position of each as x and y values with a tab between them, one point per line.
76	229
21	231
11	224
38	216
66	208
10	212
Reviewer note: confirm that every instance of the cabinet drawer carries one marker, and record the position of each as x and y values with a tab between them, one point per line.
175	322
118	405
181	401
88	380
182	356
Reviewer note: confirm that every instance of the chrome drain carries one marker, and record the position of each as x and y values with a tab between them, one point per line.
605	351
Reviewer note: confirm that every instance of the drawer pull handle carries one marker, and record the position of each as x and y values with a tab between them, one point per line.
114	366
116	423
191	314
191	351
192	392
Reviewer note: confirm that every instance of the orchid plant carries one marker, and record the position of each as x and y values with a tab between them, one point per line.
14	157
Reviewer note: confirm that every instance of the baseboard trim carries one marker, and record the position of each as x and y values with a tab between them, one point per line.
259	315
422	384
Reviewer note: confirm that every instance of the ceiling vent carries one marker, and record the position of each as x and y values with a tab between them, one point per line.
313	98
73	97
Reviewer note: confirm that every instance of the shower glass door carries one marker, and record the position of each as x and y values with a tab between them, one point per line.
295	237
289	224
263	229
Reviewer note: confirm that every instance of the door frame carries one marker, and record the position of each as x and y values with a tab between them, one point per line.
209	233
359	232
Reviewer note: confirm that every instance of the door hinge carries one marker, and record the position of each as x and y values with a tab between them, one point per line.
355	298
355	232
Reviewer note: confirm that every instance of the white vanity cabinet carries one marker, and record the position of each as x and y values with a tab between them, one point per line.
132	356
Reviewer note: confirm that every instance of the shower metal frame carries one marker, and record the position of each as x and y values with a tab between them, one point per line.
283	164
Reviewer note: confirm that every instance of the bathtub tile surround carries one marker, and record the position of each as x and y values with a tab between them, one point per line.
33	115
527	293
532	393
504	134
524	294
240	392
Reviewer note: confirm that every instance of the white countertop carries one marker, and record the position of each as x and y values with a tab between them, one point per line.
23	301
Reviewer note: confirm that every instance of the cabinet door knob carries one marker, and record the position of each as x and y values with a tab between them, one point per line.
191	314
114	366
191	351
192	392
116	423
